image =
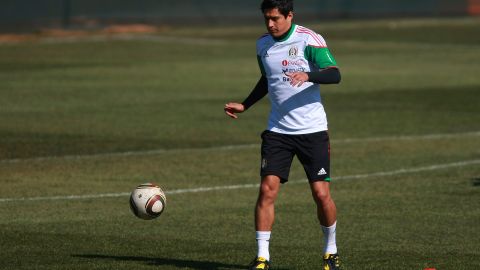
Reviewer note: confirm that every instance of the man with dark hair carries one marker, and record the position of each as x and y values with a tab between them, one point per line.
293	61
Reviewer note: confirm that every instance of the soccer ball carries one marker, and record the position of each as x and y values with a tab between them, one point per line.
147	201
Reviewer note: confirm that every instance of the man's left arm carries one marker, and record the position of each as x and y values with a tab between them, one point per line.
328	75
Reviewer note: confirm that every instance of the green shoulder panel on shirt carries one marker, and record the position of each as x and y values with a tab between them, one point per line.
320	56
260	64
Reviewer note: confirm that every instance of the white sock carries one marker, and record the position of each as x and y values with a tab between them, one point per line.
329	234
263	241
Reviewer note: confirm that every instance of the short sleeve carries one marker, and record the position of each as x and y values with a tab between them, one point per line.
260	65
320	56
318	52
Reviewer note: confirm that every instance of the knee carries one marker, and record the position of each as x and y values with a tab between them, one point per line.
268	192
321	196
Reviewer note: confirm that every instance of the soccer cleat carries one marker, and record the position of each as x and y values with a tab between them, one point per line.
331	262
259	263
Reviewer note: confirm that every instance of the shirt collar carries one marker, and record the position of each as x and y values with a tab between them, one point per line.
286	35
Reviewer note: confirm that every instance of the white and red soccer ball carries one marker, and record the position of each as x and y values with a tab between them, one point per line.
147	201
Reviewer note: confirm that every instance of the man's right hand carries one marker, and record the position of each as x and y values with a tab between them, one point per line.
231	109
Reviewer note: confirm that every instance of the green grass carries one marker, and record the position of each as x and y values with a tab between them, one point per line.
70	112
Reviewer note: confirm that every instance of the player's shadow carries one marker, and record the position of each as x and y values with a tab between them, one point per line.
191	264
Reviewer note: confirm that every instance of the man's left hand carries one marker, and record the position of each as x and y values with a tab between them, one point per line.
297	78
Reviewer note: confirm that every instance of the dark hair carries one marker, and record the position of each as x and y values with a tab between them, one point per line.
284	6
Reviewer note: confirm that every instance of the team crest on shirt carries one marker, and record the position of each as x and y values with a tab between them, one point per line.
293	52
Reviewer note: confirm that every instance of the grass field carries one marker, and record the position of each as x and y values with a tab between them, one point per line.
83	121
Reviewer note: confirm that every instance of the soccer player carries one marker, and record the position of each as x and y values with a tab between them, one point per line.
293	61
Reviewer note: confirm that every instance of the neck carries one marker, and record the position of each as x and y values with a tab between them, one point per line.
286	34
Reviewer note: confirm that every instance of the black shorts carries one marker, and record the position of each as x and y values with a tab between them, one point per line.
313	151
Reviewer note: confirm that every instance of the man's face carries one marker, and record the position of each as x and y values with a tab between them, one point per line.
276	23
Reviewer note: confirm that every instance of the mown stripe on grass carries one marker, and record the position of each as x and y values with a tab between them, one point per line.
434	167
238	146
135	37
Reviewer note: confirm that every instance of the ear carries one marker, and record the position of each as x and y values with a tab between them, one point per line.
290	15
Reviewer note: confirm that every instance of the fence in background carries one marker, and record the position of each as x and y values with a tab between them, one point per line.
16	15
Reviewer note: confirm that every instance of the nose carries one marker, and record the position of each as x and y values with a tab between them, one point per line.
270	23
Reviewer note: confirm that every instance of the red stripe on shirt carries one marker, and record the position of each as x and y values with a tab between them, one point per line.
312	34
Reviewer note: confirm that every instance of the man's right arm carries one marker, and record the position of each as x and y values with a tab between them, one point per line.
258	92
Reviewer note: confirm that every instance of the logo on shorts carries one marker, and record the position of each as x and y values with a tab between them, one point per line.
264	163
322	172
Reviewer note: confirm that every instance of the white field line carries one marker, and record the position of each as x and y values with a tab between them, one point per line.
239	146
434	167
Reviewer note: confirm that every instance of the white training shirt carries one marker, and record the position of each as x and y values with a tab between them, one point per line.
295	110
